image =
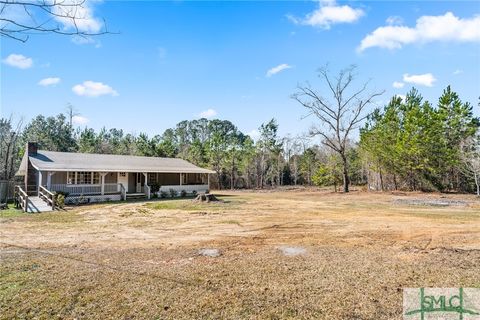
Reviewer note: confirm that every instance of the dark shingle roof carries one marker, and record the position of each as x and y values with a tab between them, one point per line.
69	161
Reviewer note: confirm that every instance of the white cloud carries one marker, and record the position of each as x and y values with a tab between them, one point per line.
79	16
398	84
328	14
394	20
427	29
208	113
18	61
402	96
457	72
277	69
426	79
79	120
49	82
93	89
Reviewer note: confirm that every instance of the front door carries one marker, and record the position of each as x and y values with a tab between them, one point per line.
123	179
139	182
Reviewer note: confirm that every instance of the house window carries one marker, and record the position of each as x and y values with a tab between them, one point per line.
84	177
152	178
71	177
123	174
96	178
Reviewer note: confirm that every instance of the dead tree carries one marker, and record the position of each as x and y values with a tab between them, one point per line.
470	155
21	18
337	117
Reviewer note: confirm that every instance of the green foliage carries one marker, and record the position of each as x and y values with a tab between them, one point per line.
59	197
51	133
60	201
183	193
328	173
173	193
163	194
64	193
417	144
408	144
308	164
269	148
154	187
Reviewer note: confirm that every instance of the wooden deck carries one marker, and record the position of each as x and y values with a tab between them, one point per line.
36	205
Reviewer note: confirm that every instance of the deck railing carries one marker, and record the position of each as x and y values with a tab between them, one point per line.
87	189
22	198
47	196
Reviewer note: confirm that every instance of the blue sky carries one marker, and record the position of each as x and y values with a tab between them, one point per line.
172	61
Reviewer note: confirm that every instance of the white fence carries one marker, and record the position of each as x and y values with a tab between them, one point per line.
86	189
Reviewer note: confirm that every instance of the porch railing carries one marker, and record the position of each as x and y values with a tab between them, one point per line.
22	198
47	196
87	189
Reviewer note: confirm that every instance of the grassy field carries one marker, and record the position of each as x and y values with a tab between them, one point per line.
297	254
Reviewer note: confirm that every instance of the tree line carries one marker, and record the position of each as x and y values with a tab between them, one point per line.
409	144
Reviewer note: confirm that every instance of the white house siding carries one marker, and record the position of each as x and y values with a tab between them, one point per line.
111	177
58	178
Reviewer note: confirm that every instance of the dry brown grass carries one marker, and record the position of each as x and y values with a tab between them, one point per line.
137	260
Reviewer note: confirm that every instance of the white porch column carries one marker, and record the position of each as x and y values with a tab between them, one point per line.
181	178
40	178
146	188
102	177
208	181
49	179
146	178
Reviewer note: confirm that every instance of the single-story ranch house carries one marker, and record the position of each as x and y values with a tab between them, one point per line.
106	177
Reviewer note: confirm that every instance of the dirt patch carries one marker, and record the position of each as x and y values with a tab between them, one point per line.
432	202
351	256
212	253
293	251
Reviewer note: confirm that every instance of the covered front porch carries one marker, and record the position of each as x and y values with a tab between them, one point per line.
113	186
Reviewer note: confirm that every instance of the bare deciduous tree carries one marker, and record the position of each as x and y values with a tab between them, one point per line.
471	159
340	116
21	18
9	147
71	113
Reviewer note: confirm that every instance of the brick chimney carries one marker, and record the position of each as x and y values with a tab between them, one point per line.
32	148
30	172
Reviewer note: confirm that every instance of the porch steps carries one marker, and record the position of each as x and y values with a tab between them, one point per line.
136	196
36	204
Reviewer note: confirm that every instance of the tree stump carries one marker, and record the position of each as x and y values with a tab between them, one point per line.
205	197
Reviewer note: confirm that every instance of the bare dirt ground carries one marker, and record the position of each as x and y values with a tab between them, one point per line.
257	255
